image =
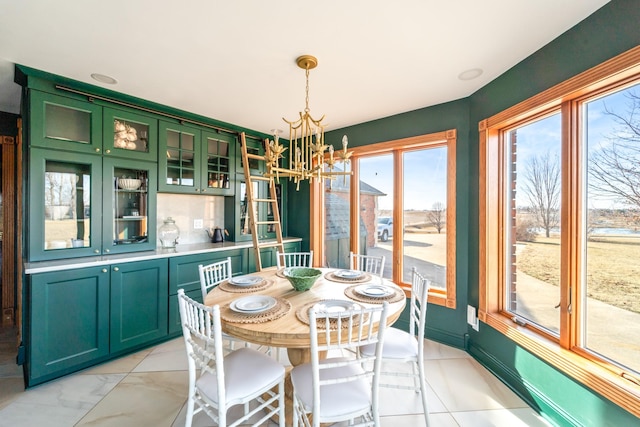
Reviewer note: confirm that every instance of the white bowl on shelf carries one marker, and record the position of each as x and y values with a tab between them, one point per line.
129	183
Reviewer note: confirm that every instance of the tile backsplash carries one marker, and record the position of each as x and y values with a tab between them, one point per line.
184	209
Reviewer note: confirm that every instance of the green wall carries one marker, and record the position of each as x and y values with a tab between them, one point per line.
608	32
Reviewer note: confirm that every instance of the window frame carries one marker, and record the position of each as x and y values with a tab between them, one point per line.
397	148
606	378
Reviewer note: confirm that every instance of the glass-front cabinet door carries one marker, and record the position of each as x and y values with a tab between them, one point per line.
63	195
178	159
129	205
218	152
83	205
130	135
65	123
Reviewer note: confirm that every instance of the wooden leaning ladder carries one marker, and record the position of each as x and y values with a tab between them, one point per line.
253	202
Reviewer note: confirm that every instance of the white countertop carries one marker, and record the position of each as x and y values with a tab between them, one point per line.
180	250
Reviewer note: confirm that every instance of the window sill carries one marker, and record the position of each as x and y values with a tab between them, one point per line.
589	372
435	297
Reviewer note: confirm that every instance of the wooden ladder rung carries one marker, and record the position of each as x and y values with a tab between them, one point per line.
265	200
269	244
255	156
259	178
266	222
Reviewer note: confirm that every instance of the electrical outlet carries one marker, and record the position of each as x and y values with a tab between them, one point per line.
197	224
472	319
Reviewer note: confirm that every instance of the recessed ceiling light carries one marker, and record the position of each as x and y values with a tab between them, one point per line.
104	79
470	74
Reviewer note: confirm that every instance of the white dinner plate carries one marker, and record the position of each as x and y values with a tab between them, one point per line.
336	306
376	291
245	280
349	274
253	304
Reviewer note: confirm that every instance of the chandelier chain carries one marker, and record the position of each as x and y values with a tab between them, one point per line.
306	99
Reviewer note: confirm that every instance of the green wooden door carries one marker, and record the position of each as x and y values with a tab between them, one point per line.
139	303
217	171
129	214
179	162
65	124
65	205
131	135
69	322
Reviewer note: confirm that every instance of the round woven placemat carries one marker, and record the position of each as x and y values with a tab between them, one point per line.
362	279
281	308
228	287
396	296
302	314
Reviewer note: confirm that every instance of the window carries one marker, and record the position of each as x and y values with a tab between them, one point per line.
403	199
560	227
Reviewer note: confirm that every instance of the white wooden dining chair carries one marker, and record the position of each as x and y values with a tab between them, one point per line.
218	382
368	263
340	388
402	347
211	275
294	259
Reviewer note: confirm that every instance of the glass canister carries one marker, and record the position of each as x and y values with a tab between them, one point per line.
168	233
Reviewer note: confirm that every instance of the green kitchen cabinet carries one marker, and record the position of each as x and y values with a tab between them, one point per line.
72	124
83	316
80	207
139	311
69	322
184	274
129	205
63	123
217	166
128	134
195	161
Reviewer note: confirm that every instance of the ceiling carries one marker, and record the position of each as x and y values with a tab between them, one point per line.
235	60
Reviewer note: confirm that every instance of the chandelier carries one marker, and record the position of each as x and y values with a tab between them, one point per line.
307	151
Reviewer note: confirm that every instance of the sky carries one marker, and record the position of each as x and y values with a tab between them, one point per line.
544	135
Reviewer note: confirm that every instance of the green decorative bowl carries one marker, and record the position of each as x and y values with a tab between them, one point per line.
302	278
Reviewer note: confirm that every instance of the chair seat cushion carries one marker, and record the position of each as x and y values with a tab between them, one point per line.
246	372
398	344
336	400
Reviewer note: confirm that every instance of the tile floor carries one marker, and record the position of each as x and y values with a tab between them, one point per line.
148	388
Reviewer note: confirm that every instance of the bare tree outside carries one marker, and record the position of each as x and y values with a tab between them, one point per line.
437	216
542	188
614	169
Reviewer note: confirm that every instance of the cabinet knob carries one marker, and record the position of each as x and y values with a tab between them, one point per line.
116	269
204	190
107	151
95	251
107	250
104	270
97	150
